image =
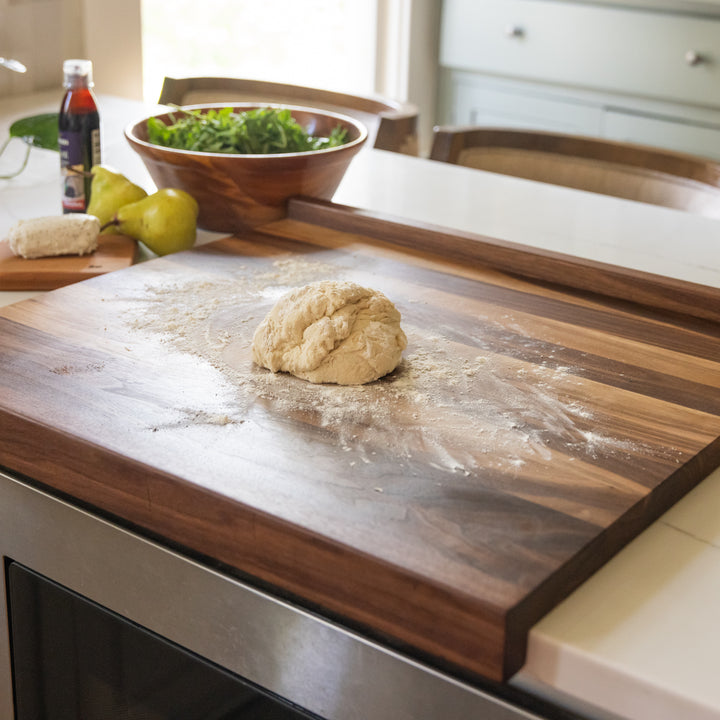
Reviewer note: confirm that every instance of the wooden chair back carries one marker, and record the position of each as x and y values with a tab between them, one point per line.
391	125
634	172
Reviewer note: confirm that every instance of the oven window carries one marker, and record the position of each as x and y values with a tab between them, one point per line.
75	659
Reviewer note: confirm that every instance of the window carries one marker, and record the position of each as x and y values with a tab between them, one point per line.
385	47
321	43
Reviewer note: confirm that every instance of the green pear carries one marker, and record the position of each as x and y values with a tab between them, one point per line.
166	221
109	191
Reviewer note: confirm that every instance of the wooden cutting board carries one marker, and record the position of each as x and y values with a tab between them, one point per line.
531	431
114	252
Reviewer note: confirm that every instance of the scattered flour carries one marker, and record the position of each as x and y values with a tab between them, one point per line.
440	391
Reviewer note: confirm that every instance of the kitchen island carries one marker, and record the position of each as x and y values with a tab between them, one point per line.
638	638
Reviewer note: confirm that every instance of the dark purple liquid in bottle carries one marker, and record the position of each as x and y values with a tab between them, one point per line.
79	138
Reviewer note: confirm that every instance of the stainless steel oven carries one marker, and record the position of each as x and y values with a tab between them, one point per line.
101	623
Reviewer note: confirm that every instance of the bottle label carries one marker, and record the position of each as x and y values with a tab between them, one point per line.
78	153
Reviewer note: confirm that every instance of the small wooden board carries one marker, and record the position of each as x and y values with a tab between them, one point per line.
16	273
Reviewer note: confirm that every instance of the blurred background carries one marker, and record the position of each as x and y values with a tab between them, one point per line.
355	46
645	71
322	43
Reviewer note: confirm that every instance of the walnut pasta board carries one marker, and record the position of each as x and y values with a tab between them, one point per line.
530	432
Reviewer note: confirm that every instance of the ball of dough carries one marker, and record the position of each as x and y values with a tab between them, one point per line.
331	332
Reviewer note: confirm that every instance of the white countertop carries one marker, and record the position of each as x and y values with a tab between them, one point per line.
640	639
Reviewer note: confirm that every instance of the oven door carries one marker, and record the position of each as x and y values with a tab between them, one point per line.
100	623
74	659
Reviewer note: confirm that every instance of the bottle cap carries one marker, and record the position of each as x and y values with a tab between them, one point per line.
78	70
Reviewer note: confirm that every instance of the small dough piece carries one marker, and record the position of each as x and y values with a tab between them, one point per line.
73	234
331	332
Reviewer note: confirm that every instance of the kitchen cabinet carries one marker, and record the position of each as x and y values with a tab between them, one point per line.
635	73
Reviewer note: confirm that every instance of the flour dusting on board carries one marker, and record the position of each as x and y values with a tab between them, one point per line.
510	412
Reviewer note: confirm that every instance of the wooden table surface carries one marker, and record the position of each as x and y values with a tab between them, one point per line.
531	431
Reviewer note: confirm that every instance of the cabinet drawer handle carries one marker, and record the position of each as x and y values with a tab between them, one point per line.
514	31
693	57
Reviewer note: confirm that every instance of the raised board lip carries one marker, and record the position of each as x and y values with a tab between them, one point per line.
576	273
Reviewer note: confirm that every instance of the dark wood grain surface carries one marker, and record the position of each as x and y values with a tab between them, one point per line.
530	432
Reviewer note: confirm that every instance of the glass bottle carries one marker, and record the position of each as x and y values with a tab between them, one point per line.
78	135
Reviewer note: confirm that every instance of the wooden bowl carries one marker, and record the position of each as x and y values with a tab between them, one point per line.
235	192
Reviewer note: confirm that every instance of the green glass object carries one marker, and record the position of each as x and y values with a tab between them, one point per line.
39	131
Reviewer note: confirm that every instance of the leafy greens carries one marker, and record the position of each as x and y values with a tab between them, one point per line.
257	131
39	131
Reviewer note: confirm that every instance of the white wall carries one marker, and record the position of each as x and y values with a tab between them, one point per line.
40	34
43	33
113	41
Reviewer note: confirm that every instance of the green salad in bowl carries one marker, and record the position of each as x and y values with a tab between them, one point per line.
260	131
243	163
